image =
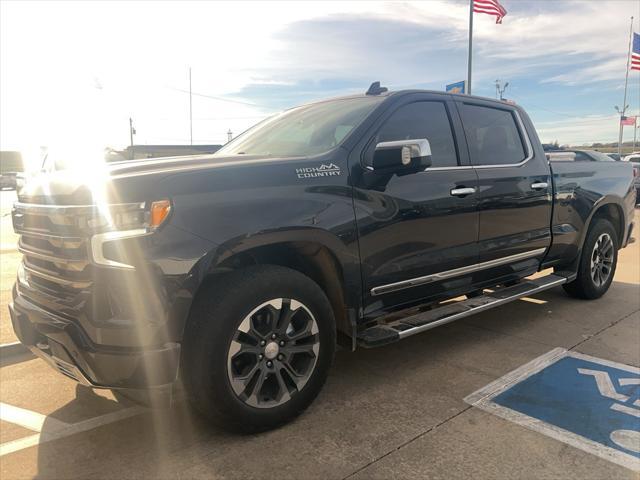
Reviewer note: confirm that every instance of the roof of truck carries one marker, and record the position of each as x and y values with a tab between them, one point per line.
393	93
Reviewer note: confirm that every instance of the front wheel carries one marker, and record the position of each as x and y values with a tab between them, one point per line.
258	348
597	263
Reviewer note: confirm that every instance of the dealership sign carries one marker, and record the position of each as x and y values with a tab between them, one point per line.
458	87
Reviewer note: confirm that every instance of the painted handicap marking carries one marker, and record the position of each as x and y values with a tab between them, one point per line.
582	397
589	403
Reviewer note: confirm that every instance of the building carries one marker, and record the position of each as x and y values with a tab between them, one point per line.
154	151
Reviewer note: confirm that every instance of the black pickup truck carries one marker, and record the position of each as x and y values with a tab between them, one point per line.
344	222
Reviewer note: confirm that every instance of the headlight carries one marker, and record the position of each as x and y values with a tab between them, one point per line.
129	216
121	222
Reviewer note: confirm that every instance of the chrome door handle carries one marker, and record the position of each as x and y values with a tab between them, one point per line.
539	185
459	192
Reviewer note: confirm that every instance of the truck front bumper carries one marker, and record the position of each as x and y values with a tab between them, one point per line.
67	348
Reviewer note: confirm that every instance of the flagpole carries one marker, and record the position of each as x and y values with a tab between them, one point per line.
468	92
626	81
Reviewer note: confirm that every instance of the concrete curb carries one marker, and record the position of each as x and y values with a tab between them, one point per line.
14	352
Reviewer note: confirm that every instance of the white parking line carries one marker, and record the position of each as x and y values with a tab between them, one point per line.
54	429
28	419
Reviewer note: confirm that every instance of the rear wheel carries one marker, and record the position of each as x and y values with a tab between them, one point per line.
597	263
258	348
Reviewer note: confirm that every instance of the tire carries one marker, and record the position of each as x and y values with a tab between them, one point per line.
597	267
235	374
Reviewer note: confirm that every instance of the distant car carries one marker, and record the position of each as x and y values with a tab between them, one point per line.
8	180
616	156
632	157
550	147
635	159
579	156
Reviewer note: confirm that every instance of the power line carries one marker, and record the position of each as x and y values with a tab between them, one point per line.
538	107
222	99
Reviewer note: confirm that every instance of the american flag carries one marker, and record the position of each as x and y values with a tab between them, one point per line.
627	120
635	52
490	7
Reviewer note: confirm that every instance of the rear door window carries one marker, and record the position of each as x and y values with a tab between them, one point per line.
492	135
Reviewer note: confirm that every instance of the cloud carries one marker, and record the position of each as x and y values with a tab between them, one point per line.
275	54
581	130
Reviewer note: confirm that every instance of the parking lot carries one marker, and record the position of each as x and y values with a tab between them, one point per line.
393	412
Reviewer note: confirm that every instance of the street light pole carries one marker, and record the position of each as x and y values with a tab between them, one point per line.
190	110
626	81
470	58
500	89
132	131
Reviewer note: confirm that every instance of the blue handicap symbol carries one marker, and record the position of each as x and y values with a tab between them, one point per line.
596	401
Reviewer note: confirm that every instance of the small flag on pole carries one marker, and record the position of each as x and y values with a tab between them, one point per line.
627	120
490	7
635	52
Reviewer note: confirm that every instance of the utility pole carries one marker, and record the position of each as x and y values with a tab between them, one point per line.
132	132
626	81
635	134
190	110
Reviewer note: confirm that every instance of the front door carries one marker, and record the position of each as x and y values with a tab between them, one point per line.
416	227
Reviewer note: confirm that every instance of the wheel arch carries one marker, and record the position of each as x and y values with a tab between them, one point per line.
609	208
313	254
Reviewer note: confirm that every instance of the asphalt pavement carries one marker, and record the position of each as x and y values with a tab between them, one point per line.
392	412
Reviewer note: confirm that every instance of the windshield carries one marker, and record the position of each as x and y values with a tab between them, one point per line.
303	131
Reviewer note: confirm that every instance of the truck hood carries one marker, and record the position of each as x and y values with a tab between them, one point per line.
119	182
177	164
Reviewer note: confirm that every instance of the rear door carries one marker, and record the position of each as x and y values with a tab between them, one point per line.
414	228
515	187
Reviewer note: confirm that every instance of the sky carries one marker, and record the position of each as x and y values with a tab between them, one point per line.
73	73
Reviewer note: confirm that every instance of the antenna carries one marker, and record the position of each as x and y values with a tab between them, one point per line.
376	89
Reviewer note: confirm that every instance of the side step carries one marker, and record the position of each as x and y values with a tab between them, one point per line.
450	312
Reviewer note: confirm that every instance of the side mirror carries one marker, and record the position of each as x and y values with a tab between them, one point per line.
402	156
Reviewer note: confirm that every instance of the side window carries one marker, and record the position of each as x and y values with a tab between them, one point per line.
423	120
492	135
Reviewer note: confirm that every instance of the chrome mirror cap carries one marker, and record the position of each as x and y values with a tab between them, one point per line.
415	148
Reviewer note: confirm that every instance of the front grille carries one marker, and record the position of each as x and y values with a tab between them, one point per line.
54	244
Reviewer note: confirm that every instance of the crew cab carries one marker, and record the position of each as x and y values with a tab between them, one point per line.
356	221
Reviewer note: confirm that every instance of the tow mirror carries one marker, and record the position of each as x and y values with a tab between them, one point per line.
402	156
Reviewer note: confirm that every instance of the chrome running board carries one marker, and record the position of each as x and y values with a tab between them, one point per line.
450	312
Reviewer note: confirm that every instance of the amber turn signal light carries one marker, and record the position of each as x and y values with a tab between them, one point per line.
159	212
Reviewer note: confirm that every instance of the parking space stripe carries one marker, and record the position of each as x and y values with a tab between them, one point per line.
28	419
58	430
